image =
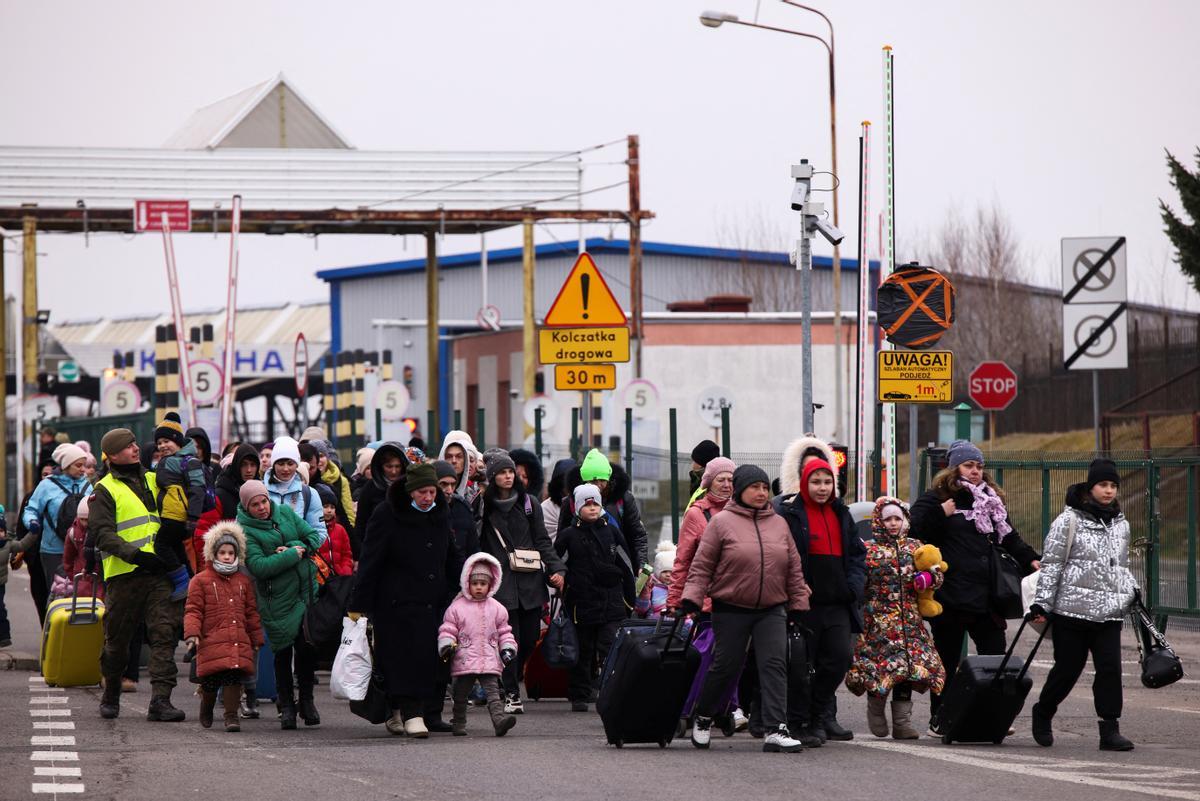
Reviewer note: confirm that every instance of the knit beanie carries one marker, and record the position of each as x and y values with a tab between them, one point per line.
746	475
285	448
81	511
312	434
585	493
595	466
715	466
68	454
326	494
83	443
480	570
117	440
705	452
962	450
891	510
227	539
170	428
444	469
251	490
420	476
496	462
664	558
363	460
492	453
1102	470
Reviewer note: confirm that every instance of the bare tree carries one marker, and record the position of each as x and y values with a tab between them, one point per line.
997	316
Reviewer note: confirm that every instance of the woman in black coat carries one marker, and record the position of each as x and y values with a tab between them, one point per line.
511	519
408	573
387	465
963	514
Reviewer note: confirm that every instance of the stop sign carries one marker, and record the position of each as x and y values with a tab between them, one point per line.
993	386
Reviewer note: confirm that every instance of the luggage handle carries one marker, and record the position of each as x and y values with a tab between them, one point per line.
675	624
1008	654
75	613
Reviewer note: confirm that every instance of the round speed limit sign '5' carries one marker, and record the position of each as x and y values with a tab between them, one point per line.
207	385
711	402
641	396
391	399
120	397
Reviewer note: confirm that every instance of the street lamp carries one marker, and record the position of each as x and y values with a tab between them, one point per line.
714	19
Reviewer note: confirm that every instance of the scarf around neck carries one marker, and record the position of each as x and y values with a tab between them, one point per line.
226	569
988	512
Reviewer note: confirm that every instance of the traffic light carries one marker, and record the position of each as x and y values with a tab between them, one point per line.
841	463
411	422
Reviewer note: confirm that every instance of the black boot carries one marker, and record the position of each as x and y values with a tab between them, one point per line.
161	709
308	709
1043	734
835	730
287	712
110	701
1111	738
808	735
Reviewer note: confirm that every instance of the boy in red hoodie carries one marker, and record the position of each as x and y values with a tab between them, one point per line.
335	550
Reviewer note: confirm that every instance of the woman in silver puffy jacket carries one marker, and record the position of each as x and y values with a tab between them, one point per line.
1085	589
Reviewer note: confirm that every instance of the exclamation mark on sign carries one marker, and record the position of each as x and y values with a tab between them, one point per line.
584	281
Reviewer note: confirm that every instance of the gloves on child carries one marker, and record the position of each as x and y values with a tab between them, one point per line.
446	651
507	655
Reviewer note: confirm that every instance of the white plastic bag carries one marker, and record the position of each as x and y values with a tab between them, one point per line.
352	666
1028	595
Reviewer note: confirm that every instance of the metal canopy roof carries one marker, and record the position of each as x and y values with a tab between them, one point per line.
293	190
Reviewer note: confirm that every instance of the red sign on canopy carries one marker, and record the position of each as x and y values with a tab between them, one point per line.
147	215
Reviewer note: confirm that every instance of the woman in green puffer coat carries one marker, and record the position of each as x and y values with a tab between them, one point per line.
278	544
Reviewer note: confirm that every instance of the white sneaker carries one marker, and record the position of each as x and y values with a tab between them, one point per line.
701	732
779	741
740	721
513	705
415	727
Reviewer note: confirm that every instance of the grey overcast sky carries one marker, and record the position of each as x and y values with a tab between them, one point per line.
1057	112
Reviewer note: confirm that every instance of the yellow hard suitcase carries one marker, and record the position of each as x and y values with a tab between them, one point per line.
72	640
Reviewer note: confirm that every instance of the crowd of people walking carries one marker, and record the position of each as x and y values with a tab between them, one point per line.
454	561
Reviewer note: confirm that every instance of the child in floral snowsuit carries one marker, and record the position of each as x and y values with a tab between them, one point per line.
895	652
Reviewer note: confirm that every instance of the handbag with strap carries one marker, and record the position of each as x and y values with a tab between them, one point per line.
521	560
1005	590
1160	664
560	644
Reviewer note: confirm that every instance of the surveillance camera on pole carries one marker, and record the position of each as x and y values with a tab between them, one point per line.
813	221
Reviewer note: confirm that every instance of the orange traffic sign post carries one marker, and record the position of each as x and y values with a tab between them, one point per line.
585	377
585	299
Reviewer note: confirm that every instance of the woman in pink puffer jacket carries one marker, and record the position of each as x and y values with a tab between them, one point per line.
476	635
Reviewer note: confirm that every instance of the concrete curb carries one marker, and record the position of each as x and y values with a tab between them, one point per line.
18	660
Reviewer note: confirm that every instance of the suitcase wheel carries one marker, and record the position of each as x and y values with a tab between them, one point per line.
998	741
662	743
946	739
619	744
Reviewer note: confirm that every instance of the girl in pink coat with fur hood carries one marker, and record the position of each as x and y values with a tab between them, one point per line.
476	636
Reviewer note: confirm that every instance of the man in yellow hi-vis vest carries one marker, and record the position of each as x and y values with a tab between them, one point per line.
122	522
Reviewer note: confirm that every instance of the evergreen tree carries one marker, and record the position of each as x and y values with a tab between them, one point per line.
1185	236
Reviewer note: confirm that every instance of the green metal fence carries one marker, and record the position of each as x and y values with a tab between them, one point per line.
1160	492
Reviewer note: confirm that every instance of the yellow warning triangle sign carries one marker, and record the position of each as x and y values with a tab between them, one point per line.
585	299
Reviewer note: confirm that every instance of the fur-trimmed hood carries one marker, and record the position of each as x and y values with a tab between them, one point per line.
219	530
881	533
493	565
533	469
789	469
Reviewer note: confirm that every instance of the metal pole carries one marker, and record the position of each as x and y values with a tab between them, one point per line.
185	360
864	307
635	252
1096	406
537	432
725	431
912	450
629	441
837	253
29	346
433	435
588	414
481	429
889	243
574	434
674	457
528	334
228	360
378	423
458	425
431	324
804	265
962	421
483	267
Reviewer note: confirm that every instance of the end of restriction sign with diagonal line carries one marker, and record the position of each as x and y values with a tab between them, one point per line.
1094	336
1093	269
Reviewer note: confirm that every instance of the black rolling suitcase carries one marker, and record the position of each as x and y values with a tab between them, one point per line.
645	684
986	695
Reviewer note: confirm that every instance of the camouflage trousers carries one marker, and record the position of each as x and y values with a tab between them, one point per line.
130	600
